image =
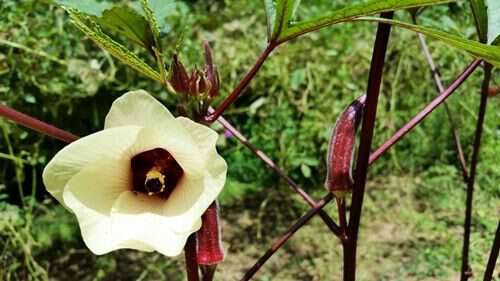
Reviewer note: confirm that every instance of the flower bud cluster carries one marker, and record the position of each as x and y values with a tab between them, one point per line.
197	83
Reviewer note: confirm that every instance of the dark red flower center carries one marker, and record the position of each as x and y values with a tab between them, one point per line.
155	172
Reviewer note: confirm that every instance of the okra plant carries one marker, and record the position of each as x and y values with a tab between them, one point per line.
165	171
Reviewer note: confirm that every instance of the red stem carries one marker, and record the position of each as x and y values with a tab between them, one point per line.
373	91
466	270
242	85
424	113
35	124
289	233
190	257
342	216
492	260
261	155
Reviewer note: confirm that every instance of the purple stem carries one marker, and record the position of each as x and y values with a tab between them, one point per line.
492	260
281	241
373	91
241	85
466	271
342	216
35	124
439	84
190	258
261	155
425	112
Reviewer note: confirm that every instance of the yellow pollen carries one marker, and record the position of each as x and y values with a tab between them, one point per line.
155	174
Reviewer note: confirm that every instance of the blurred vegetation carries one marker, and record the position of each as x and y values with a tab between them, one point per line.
412	223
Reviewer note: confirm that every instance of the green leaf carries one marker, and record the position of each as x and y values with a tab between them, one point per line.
270	16
92	29
151	19
481	18
488	53
155	29
162	10
128	23
89	7
279	14
493	11
351	12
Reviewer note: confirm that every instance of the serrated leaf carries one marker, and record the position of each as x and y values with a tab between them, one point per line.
151	19
488	53
493	12
351	12
480	18
92	29
128	23
162	10
89	7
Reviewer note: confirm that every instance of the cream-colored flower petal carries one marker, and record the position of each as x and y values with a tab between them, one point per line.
142	109
204	137
192	196
107	144
139	217
91	194
139	108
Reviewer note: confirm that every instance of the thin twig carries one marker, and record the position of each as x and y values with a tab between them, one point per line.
439	85
261	155
288	234
241	85
425	112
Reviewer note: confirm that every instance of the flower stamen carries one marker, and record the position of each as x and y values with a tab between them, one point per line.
155	173
155	181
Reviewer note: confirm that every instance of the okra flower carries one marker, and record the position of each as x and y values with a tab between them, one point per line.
141	183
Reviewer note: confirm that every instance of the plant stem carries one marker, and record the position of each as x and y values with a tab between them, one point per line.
373	91
35	124
190	257
439	84
466	271
289	233
492	260
342	216
424	112
262	156
241	85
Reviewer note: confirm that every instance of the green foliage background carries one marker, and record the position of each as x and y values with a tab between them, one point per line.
414	209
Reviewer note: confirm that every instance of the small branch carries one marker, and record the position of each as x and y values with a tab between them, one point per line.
35	124
492	260
273	166
466	270
373	92
439	84
424	113
288	234
242	85
190	257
